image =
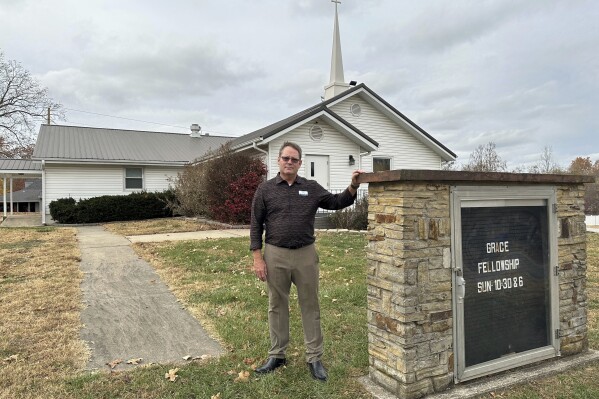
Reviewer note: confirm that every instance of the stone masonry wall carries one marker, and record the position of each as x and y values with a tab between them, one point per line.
572	269
409	288
410	321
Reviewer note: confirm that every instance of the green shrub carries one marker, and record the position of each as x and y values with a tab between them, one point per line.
63	210
355	218
110	208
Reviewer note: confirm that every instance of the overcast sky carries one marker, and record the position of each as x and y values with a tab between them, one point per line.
521	73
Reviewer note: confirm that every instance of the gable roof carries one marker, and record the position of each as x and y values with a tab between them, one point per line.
270	132
265	133
60	143
379	103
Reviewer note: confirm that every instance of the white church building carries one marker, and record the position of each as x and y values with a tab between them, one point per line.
351	127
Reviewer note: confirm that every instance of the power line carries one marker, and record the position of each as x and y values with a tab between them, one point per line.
139	120
129	119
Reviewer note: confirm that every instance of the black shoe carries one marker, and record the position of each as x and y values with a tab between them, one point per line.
271	365
318	371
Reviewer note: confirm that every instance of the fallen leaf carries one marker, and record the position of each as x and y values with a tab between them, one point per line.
217	396
231	372
243	376
11	358
114	363
248	360
171	375
135	361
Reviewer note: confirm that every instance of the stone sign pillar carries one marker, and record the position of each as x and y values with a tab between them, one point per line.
422	288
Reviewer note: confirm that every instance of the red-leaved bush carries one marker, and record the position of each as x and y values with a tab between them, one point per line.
221	187
239	194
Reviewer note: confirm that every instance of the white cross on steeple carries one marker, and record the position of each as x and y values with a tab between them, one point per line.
337	82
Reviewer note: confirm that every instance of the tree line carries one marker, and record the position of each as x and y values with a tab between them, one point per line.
486	159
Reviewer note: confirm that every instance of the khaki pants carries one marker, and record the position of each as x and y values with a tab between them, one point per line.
300	267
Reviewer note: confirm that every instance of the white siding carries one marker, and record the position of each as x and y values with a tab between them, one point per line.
405	151
83	181
159	179
334	144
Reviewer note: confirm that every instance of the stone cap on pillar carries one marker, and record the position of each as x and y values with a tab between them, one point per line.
471	177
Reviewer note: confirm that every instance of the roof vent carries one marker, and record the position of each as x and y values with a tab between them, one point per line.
196	130
316	133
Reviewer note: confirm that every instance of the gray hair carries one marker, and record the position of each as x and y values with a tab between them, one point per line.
292	145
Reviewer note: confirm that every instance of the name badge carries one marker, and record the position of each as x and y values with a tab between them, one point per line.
303	193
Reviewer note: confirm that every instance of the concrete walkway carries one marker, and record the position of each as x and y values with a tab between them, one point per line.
27	220
130	312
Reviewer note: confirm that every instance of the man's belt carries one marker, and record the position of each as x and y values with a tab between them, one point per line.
294	246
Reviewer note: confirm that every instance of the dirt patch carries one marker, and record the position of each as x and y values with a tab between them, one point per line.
157	226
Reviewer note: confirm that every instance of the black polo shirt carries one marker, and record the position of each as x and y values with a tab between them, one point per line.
287	212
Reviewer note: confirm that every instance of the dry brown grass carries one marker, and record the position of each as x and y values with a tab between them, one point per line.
39	312
157	226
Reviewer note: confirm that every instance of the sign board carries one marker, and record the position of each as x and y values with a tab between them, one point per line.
505	254
505	296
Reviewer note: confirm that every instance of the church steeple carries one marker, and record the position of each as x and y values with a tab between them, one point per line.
337	82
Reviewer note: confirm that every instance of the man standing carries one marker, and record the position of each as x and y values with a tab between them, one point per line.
286	206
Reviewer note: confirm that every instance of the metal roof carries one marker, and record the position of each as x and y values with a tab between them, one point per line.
88	144
12	165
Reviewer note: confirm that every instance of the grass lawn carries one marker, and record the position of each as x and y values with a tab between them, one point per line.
213	279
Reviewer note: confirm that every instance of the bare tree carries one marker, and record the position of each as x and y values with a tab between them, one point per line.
546	163
23	102
485	159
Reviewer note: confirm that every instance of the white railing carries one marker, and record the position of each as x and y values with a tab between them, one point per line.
591	220
361	194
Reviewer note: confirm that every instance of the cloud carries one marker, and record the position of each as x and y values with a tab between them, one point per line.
445	25
140	74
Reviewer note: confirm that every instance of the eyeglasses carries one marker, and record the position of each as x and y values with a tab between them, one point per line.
287	159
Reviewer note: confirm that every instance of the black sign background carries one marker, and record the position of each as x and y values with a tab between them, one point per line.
501	322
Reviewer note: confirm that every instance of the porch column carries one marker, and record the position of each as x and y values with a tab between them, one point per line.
43	204
11	203
4	194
